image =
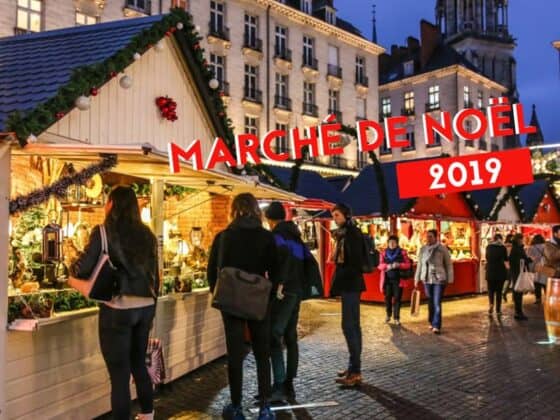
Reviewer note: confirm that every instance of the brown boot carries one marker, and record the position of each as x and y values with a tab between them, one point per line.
353	379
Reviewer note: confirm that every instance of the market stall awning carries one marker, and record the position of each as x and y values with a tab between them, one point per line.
538	202
310	185
485	200
144	162
365	194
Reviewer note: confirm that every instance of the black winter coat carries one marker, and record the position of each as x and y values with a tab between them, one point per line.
496	257
247	246
133	280
348	276
517	255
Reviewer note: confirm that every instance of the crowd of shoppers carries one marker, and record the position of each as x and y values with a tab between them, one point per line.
281	265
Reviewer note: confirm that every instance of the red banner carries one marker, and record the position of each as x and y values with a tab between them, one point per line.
464	173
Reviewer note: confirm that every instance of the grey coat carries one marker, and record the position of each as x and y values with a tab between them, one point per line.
437	263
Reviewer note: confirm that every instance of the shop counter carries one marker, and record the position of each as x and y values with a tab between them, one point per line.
465	282
57	371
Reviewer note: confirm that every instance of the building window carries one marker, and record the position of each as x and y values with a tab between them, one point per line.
83	19
386	107
309	107
361	77
308	51
306	6
384	149
361	106
333	68
141	5
409	103
480	100
29	16
411	140
362	159
251	32
334	100
466	97
433	98
218	66
217	10
282	99
330	16
437	141
252	125
336	161
252	83
281	38
282	142
409	68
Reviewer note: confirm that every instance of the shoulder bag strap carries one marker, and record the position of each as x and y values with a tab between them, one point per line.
221	250
104	244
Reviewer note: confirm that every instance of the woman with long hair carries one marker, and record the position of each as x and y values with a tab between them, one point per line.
125	321
496	273
245	245
517	255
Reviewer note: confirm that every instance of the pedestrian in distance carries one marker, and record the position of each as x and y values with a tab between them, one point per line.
435	270
552	254
535	251
125	321
516	256
246	245
393	261
496	273
507	285
348	282
290	280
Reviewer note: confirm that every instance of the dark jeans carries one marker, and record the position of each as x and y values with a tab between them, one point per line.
284	319
495	290
352	330
518	302
123	336
235	344
434	292
392	290
539	287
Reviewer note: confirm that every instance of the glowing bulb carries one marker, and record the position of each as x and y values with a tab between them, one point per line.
146	215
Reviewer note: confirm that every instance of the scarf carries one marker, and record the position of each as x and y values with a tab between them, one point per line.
339	236
392	255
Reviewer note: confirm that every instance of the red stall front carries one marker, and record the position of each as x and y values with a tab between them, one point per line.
450	215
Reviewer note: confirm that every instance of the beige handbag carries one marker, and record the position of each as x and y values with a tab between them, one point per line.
415	303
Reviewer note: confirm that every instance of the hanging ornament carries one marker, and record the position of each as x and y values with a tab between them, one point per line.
136	56
125	82
168	33
31	139
197	28
93	91
159	46
180	26
196	46
113	74
214	84
82	103
59	115
167	108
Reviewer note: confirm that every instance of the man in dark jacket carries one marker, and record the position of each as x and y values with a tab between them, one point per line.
285	306
348	282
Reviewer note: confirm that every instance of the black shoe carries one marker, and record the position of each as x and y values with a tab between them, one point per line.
289	390
521	317
278	394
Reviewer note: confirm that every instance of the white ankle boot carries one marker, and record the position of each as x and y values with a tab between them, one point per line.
149	416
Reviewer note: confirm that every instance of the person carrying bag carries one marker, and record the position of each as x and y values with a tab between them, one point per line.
240	259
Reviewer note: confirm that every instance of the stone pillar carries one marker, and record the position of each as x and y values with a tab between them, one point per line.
4	240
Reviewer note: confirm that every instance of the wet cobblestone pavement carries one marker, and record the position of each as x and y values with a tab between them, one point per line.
478	368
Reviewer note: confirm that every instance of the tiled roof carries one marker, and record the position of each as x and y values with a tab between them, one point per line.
33	67
310	184
364	195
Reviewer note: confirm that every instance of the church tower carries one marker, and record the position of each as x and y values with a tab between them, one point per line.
479	29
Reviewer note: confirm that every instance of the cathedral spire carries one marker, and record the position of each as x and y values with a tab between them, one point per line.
535	139
374	21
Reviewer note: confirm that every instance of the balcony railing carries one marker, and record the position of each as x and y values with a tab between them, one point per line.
362	80
218	31
337	114
334	70
468	104
224	88
432	106
253	95
310	62
142	6
283	102
283	53
408	111
253	43
310	109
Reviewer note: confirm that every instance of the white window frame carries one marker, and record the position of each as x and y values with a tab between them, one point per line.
361	108
466	96
309	93
251	77
217	15
28	9
334	100
307	6
308	49
434	96
408	68
409	104
251	28
281	39
282	145
218	64
251	125
282	85
386	107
